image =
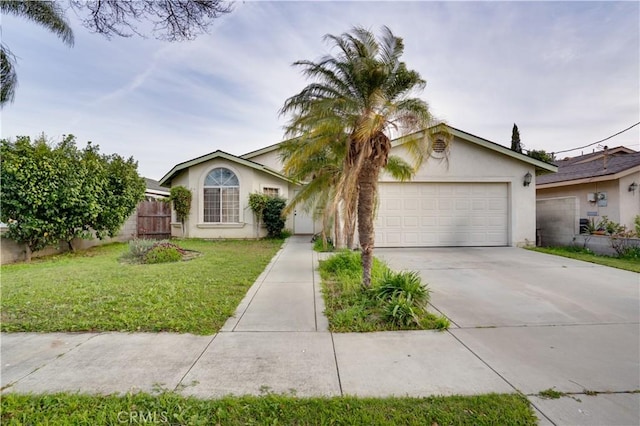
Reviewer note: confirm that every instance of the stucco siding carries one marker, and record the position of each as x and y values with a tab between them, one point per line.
621	205
629	200
250	180
468	162
270	159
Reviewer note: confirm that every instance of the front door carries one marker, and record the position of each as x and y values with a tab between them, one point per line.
302	222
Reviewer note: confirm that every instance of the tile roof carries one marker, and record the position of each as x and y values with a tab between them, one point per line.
591	165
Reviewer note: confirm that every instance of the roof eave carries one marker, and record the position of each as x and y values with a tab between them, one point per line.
591	179
166	179
539	165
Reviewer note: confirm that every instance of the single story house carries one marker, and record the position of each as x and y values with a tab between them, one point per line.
604	183
472	193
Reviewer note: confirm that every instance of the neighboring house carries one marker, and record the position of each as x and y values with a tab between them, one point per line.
476	196
589	187
154	191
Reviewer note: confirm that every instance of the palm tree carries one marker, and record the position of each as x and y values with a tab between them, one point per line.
319	165
46	13
358	99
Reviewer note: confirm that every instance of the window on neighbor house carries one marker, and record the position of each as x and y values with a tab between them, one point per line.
271	192
221	196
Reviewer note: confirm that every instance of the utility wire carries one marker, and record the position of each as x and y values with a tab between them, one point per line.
601	140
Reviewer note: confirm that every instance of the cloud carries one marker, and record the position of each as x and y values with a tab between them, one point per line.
565	72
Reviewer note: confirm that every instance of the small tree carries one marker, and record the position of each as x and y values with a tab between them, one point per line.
257	204
542	155
516	145
272	216
181	198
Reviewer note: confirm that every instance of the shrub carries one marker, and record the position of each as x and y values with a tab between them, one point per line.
406	285
139	248
272	216
636	223
181	199
163	253
139	251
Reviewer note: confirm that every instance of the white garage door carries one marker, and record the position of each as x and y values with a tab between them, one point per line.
442	214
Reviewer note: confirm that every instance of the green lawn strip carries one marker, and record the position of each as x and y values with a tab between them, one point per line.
93	290
632	265
171	408
351	309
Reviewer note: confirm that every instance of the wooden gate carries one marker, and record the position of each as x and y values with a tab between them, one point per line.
154	220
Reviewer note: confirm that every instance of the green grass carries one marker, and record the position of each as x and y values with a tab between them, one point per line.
350	308
170	408
322	247
551	393
94	291
586	255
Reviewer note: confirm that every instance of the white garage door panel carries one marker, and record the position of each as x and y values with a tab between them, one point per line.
442	214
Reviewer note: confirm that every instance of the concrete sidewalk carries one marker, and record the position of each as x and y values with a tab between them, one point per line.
278	342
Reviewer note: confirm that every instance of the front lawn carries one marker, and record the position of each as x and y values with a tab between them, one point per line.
170	408
586	255
93	290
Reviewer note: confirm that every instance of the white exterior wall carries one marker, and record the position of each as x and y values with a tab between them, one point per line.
468	162
250	180
629	200
270	159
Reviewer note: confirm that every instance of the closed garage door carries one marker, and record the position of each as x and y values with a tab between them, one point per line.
413	214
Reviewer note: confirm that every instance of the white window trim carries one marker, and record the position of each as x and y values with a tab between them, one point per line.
203	178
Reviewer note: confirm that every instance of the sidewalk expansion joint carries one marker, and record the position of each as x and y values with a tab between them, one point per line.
178	385
335	358
499	375
313	282
8	385
478	327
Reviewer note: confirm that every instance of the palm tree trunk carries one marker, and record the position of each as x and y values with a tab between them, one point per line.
337	229
367	190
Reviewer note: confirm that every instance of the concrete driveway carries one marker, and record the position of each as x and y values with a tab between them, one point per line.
541	322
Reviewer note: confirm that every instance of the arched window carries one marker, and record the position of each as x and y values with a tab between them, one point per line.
221	196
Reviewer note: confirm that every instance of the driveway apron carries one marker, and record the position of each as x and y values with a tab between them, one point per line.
542	322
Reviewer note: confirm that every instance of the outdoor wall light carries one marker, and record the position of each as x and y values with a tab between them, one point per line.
633	187
527	179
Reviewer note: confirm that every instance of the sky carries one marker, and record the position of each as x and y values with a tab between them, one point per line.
567	73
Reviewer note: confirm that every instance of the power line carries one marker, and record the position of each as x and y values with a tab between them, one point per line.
601	140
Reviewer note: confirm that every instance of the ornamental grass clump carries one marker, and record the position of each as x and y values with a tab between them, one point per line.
403	296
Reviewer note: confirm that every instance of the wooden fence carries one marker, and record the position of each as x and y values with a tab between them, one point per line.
154	220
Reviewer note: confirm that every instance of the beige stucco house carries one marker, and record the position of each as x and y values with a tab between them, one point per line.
474	194
604	183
